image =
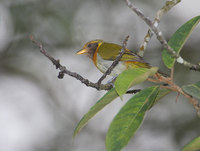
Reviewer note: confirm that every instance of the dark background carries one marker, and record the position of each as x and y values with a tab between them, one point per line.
38	112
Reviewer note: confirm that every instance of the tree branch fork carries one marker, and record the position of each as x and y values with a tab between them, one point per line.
98	85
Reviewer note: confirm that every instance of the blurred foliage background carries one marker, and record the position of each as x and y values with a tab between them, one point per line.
38	112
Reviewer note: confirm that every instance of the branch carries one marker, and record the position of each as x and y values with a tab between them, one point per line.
63	70
115	62
172	86
161	38
168	5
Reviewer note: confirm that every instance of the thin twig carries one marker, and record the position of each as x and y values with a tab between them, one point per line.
172	86
161	38
133	91
172	73
168	5
115	62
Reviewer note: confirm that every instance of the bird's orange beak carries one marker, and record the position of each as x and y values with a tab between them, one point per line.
82	51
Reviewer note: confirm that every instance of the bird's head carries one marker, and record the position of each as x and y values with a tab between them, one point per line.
90	47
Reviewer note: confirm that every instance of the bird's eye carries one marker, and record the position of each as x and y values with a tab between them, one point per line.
89	45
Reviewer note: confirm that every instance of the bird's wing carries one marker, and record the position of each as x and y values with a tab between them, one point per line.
109	51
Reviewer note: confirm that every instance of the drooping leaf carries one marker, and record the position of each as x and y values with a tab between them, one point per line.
192	89
132	77
178	40
129	118
105	100
194	145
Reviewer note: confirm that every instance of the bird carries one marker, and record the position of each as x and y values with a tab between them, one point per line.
104	53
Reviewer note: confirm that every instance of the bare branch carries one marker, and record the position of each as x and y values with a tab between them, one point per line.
161	38
77	76
168	5
115	62
63	70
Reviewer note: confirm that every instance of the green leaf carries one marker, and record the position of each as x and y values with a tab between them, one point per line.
129	118
105	100
194	145
192	89
161	93
132	77
178	40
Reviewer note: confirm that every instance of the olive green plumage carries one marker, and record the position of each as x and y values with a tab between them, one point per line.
104	53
